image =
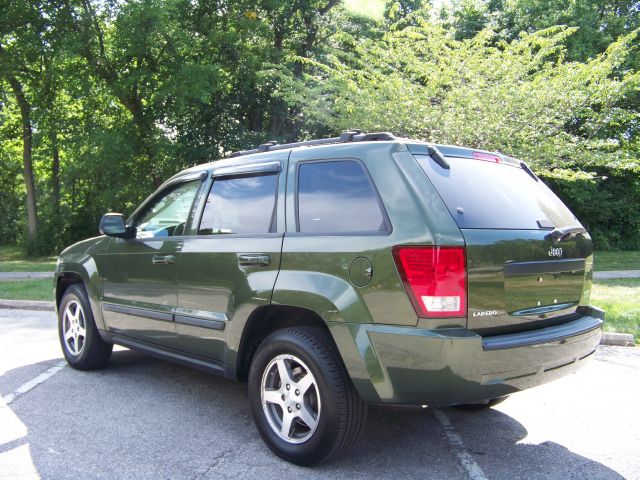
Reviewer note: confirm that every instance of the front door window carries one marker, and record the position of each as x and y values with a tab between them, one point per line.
166	216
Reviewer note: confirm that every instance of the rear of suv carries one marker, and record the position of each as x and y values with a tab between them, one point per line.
336	273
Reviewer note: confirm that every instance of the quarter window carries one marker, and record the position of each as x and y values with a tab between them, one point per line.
244	205
337	197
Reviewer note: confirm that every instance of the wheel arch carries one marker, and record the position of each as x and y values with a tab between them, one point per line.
64	281
267	319
75	274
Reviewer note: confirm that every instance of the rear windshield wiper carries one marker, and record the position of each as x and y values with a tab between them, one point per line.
527	169
563	233
438	157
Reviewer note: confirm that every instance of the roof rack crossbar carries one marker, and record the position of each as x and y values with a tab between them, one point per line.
345	137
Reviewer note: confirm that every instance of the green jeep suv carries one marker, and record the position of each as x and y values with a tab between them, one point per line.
336	273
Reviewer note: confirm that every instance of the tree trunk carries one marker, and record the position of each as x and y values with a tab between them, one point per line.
27	141
49	95
277	110
304	50
55	171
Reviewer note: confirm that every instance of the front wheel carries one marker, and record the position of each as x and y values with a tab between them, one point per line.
304	404
81	343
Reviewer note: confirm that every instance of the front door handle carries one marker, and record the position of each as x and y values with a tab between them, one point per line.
259	259
163	259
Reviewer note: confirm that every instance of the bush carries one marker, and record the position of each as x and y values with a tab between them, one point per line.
605	199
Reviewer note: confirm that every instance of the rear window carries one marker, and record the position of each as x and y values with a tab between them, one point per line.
482	194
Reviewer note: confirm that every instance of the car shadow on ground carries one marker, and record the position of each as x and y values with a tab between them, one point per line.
146	418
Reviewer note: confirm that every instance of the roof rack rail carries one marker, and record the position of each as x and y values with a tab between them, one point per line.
345	137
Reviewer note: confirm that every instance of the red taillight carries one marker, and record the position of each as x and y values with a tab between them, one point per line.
435	279
486	157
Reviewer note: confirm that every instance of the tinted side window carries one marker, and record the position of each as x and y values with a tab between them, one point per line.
240	205
167	214
337	197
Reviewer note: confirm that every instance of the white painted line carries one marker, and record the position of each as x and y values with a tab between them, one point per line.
33	383
466	461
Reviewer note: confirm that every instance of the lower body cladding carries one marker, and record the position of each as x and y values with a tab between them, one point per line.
406	365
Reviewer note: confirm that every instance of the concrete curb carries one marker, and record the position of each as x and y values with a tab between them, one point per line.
27	305
617	339
13	276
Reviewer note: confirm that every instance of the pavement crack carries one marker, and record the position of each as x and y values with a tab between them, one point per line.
220	458
217	460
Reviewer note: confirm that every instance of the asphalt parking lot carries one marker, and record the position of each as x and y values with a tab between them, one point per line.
145	418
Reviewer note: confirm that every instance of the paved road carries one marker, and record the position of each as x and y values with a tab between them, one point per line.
144	418
614	274
12	276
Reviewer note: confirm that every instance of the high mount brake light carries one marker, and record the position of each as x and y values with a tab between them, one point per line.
487	157
435	279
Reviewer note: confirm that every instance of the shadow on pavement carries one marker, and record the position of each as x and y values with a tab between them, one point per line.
145	418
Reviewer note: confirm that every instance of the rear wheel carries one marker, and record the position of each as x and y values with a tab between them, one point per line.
81	343
303	402
483	405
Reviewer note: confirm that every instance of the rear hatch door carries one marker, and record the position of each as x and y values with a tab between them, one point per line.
528	257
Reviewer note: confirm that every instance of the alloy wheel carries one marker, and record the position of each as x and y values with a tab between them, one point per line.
74	328
290	398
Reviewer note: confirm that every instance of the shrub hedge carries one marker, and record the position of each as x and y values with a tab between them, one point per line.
606	200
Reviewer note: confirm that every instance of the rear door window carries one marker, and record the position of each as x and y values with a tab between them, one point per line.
240	205
481	194
338	197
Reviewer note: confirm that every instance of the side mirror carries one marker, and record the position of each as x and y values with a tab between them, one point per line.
112	224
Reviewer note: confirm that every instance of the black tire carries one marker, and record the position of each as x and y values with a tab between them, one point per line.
92	351
474	407
341	412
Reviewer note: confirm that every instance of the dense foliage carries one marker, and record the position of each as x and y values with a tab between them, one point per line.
606	199
102	100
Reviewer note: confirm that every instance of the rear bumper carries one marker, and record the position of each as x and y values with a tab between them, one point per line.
404	365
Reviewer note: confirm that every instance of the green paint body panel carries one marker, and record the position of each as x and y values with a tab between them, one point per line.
404	365
524	299
200	304
131	279
213	285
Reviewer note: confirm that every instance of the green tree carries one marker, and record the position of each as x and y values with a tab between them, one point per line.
521	97
102	100
21	30
598	23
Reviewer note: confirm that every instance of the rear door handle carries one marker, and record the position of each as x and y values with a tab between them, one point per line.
259	259
163	259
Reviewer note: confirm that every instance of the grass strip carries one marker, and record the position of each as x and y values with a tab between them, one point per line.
627	260
620	299
41	289
13	259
